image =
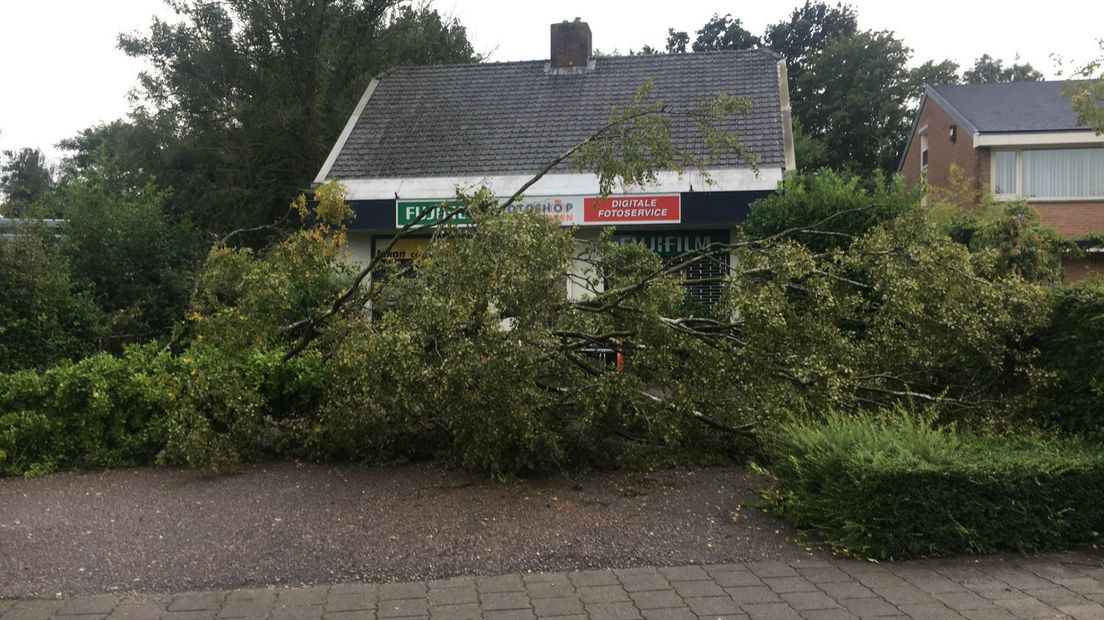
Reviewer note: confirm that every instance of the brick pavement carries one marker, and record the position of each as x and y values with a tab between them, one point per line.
1051	586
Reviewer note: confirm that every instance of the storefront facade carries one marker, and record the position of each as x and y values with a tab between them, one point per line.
421	133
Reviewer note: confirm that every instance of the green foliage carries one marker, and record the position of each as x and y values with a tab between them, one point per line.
932	72
987	70
829	202
1072	348
889	485
724	33
1087	93
852	91
102	411
481	358
26	184
860	109
122	247
44	317
809	29
1007	237
241	100
901	316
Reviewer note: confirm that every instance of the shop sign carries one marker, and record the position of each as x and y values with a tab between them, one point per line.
675	242
407	248
566	209
633	210
407	212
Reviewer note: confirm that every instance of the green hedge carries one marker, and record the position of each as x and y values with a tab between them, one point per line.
890	486
102	411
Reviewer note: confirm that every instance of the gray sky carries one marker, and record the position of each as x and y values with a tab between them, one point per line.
62	73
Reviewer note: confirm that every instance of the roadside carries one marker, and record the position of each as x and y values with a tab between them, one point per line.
167	530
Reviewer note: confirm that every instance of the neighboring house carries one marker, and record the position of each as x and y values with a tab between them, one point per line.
418	133
9	227
1020	141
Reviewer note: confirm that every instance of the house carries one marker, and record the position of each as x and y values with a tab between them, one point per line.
419	133
1019	141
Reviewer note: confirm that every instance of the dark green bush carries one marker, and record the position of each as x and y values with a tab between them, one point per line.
103	411
891	486
1071	347
137	263
44	318
831	202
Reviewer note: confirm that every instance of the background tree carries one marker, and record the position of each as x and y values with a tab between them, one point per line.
988	70
854	100
932	72
1087	93
724	33
677	41
45	317
809	29
242	100
26	180
135	261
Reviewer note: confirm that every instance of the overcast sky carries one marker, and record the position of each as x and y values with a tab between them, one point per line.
61	72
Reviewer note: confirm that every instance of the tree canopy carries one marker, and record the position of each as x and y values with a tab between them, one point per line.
1087	93
26	180
242	100
852	91
987	70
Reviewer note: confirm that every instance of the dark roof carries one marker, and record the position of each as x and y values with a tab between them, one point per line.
515	117
1009	107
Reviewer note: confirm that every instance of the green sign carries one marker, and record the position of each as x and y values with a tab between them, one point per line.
408	211
674	242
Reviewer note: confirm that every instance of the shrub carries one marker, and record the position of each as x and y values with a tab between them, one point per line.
891	486
122	246
832	202
103	411
44	318
1071	348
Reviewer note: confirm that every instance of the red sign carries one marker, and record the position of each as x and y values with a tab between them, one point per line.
635	209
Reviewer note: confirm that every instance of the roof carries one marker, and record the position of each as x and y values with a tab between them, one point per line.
1012	107
515	117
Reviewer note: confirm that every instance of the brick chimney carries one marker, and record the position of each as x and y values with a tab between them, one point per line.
570	44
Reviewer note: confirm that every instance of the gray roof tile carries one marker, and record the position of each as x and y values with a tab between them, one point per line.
1012	106
513	118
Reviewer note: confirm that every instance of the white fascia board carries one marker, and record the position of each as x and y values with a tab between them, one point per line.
560	184
1040	138
345	133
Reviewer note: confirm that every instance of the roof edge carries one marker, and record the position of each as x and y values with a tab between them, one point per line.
765	51
950	109
912	130
339	145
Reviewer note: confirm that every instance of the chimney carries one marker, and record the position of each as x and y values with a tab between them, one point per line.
570	44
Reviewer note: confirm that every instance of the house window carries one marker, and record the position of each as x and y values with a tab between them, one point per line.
924	150
1004	173
1046	174
1062	173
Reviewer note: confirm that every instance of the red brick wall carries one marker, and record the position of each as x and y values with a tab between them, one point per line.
1081	268
1073	219
942	154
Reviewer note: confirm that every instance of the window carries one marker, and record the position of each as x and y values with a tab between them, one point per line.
1075	173
1049	173
924	149
1004	173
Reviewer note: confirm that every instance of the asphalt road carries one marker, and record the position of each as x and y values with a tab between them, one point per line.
166	530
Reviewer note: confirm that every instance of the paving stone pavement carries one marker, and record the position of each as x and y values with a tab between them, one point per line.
1069	585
